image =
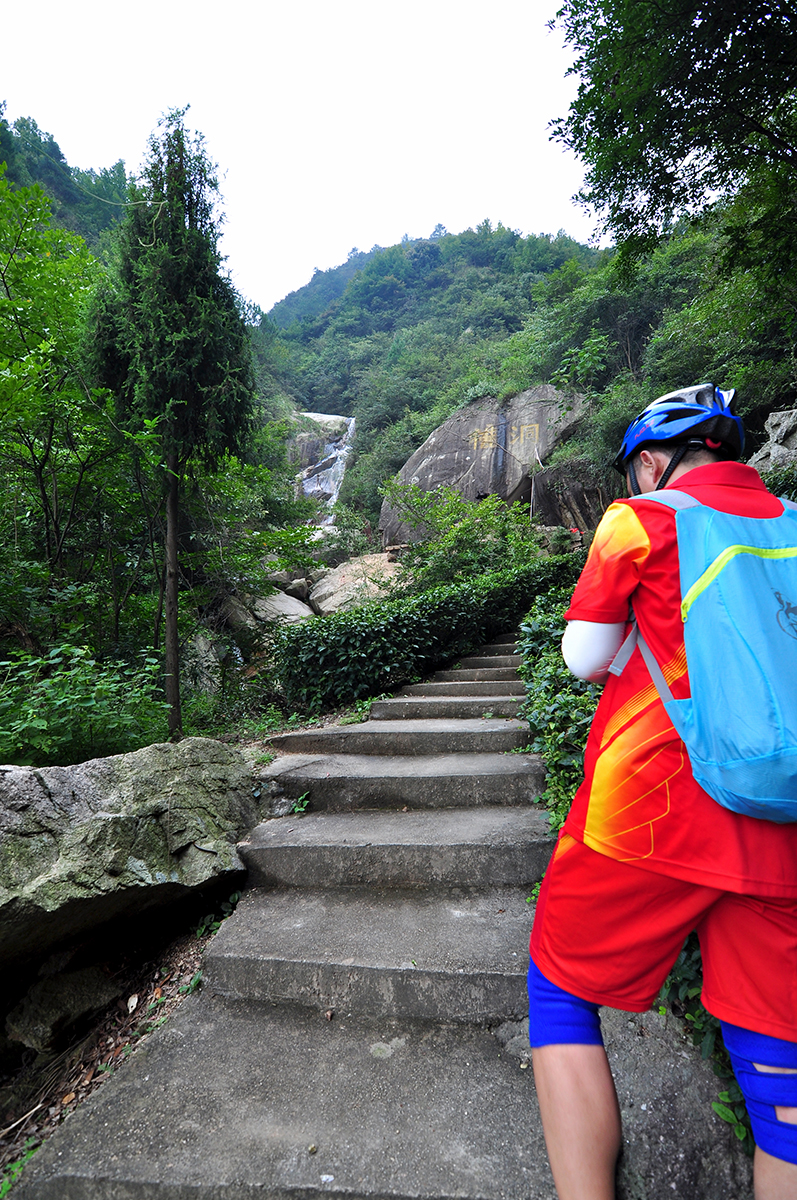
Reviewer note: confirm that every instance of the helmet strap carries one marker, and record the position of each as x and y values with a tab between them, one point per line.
636	490
672	464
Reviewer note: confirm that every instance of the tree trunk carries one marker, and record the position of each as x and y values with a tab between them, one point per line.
171	645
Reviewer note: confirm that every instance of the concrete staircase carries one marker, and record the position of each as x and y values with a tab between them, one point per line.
345	1039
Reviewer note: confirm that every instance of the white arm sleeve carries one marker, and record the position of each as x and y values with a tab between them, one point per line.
589	647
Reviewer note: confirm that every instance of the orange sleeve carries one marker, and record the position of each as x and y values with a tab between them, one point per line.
619	548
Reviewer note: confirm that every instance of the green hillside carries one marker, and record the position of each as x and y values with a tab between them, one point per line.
416	333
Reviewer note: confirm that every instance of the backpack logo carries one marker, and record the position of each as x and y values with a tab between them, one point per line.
787	616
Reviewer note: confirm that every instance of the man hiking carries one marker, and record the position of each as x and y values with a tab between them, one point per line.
646	855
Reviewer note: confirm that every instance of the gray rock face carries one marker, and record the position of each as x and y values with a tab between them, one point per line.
781	449
56	1002
487	449
352	583
81	845
570	494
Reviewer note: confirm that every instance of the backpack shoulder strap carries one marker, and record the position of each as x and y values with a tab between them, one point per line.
672	499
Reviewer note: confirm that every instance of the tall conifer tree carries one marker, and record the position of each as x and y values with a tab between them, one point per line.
169	338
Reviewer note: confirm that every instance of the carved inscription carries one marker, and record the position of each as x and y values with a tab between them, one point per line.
523	437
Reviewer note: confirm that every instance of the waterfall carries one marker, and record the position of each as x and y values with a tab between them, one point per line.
322	480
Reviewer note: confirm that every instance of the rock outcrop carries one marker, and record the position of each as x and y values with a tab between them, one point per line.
353	583
322	453
570	495
113	837
781	448
488	448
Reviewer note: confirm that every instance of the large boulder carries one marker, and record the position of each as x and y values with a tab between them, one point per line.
311	444
279	607
82	845
353	583
570	494
780	450
488	448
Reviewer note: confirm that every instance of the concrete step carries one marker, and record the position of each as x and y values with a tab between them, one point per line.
408	737
500	647
474	847
235	1102
480	673
452	955
496	660
466	687
340	782
404	708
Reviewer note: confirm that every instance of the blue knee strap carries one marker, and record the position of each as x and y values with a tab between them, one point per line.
763	1091
558	1018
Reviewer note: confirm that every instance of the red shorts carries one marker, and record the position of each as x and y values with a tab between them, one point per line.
609	933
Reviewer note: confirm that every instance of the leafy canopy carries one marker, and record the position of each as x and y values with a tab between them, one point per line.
678	102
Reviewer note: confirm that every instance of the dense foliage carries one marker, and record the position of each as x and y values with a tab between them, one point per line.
347	656
678	101
558	707
457	538
84	202
82	513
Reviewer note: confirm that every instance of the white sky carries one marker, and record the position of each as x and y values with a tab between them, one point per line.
335	123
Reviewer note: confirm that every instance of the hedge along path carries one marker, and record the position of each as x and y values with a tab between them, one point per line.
347	656
345	1040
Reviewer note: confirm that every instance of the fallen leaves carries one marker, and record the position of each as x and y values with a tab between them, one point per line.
38	1099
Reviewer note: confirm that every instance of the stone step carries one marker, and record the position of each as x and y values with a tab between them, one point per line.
408	737
340	782
465	687
475	847
479	673
493	648
452	955
403	708
233	1102
496	660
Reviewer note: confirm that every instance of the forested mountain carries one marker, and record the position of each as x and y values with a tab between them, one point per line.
86	202
416	333
701	285
426	327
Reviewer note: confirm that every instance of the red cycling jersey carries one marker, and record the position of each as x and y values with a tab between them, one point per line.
639	802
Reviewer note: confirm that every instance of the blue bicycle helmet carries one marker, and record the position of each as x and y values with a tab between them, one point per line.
699	416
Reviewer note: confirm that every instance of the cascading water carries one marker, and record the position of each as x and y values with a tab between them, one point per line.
322	480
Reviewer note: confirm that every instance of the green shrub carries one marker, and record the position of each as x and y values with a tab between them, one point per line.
456	539
346	656
558	707
66	707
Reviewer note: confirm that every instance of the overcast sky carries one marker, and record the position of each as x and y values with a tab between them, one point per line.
335	123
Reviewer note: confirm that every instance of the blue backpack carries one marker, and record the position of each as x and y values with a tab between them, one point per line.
739	608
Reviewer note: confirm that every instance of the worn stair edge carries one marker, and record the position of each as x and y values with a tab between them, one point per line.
395	1111
406	708
500	688
444	847
341	782
224	1101
498	648
408	737
497	660
484	674
454	955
